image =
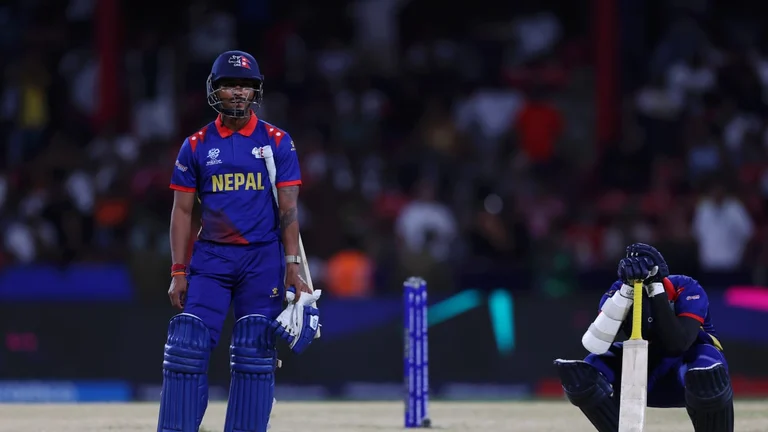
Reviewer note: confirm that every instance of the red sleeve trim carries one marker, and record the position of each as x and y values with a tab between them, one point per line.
694	316
182	188
672	293
289	183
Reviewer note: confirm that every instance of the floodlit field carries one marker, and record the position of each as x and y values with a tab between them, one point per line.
352	416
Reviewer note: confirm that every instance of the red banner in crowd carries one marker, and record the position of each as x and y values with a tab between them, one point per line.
107	26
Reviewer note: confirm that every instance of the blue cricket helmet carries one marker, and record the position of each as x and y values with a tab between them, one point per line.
235	65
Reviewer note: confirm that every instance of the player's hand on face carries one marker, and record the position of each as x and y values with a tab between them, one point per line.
178	291
292	279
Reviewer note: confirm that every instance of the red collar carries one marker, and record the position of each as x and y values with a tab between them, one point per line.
247	130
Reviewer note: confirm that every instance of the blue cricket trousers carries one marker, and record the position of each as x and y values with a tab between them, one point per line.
249	276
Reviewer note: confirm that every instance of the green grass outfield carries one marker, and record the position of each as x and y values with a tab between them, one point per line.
751	416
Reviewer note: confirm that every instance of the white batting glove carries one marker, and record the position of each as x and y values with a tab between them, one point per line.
655	288
627	291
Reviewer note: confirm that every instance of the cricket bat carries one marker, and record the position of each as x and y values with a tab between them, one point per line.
269	159
634	371
266	153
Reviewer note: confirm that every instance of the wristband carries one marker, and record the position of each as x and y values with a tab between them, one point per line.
655	288
293	259
178	270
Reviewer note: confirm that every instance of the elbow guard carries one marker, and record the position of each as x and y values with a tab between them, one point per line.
602	332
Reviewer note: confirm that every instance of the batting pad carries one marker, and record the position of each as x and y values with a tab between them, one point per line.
184	396
588	389
709	399
252	362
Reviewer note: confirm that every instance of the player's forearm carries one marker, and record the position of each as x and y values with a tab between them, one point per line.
676	334
291	238
180	233
602	332
289	222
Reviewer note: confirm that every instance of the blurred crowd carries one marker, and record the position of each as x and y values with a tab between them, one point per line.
425	148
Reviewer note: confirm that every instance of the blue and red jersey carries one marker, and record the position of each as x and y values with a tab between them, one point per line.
232	184
686	297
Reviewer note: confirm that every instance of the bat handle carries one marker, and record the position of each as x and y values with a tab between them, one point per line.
637	312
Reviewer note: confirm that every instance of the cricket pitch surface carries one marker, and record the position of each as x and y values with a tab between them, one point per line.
751	416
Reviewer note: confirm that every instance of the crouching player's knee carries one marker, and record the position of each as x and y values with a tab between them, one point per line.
709	398
253	359
588	389
184	396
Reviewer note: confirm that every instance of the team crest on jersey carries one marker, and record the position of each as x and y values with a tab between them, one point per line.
262	152
239	61
275	293
213	157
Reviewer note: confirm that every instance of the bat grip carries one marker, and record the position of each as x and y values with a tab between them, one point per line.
637	312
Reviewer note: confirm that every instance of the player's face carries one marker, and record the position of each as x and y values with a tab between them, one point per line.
236	94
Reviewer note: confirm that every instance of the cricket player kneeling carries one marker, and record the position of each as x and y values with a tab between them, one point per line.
686	365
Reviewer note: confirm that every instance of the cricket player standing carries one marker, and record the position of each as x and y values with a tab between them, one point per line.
246	253
686	365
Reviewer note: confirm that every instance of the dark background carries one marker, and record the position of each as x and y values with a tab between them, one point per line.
517	146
